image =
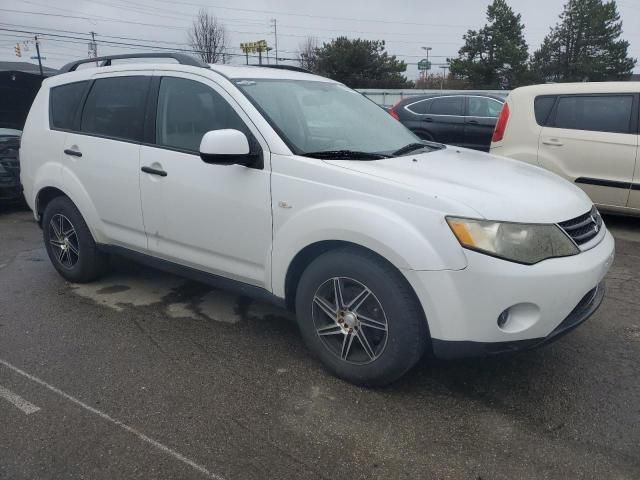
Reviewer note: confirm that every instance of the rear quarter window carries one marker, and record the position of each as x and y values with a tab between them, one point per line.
64	102
543	107
420	107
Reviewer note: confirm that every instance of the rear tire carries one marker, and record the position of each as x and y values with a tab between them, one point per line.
376	330
69	243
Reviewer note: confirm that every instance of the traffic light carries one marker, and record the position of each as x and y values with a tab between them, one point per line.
17	49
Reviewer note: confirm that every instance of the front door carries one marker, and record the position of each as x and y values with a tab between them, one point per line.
215	218
591	141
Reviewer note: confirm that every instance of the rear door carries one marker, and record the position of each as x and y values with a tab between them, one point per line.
634	194
444	118
592	141
479	121
103	155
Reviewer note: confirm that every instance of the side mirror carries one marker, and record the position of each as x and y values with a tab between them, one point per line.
226	147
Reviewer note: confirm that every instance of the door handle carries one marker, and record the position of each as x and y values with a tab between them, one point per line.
474	122
553	142
428	119
73	153
154	171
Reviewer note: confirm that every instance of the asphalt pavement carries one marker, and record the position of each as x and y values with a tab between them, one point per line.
147	375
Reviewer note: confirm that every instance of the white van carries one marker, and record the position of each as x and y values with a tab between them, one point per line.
293	188
585	132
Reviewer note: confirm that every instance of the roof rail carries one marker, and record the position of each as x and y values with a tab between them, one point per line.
181	58
285	67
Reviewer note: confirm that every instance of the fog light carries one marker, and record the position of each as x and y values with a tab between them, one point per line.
518	317
502	318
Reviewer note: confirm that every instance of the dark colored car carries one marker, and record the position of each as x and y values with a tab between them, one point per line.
10	187
466	120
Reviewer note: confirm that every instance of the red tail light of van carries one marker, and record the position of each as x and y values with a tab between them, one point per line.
501	124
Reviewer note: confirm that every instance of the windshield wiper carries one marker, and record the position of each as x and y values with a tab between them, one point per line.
412	147
345	155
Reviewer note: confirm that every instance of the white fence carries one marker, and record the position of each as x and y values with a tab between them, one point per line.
387	97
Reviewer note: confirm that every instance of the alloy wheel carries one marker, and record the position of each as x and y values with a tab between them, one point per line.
350	320
64	241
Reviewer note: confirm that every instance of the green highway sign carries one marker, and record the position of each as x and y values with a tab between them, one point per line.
424	64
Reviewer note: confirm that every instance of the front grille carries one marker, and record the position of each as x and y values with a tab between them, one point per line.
583	228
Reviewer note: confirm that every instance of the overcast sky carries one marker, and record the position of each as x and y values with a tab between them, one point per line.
406	25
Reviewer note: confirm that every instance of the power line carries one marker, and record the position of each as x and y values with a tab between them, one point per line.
137	39
276	12
73	39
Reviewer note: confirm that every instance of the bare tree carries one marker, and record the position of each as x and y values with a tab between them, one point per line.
308	53
208	37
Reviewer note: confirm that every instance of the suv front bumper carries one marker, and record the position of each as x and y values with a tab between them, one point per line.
460	349
542	301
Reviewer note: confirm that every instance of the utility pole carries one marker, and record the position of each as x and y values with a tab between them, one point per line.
39	58
275	35
444	72
93	47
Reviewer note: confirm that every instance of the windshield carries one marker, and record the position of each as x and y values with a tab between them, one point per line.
315	117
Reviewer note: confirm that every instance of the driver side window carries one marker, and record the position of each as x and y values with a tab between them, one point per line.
187	110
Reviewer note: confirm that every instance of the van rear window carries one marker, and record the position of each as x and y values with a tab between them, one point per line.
64	102
543	107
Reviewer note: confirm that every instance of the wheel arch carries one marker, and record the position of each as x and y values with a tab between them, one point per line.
78	196
309	253
44	197
302	260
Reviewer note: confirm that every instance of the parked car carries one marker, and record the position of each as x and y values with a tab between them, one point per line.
386	247
10	188
584	132
465	120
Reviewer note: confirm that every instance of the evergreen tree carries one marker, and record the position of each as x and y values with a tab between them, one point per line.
496	55
360	64
585	45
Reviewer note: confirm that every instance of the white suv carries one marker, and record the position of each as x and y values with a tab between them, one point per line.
585	132
291	187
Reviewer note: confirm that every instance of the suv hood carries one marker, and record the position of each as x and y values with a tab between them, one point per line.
496	187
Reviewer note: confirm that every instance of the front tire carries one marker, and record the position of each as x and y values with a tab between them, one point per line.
69	243
360	317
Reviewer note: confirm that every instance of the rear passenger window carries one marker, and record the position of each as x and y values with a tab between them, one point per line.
64	102
447	106
542	107
115	108
601	113
187	110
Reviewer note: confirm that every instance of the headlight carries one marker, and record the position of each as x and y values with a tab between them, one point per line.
517	242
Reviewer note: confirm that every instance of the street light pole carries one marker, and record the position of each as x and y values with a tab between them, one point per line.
424	72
